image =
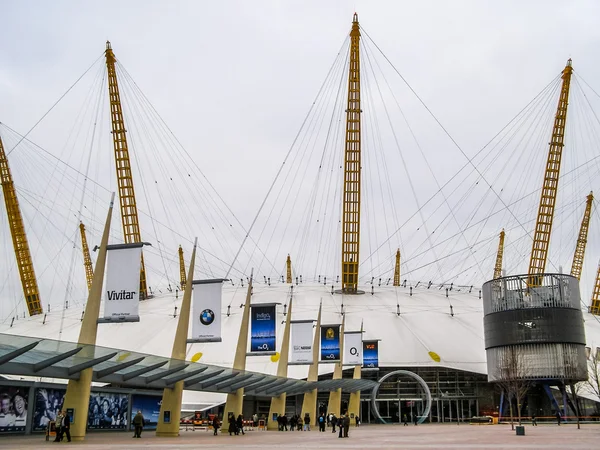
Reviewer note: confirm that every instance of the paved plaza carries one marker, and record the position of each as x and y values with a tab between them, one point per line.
365	437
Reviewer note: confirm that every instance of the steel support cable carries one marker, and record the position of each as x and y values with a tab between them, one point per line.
469	160
276	176
594	115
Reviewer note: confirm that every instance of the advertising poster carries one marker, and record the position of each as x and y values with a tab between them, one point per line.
13	408
150	407
302	340
108	411
263	326
370	354
206	318
353	348
121	291
330	343
48	402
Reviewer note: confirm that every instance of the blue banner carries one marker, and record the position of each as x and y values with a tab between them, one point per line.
371	354
330	343
262	336
149	405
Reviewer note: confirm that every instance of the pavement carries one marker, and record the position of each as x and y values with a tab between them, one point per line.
429	436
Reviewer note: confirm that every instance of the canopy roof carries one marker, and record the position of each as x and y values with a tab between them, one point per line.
28	356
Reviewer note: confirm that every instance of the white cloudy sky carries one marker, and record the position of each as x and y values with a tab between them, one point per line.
234	81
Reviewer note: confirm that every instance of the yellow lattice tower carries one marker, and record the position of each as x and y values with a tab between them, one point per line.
129	213
397	269
19	238
181	269
582	238
288	265
87	261
543	226
499	255
595	304
351	199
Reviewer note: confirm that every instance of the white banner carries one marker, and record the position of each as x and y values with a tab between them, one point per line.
302	343
122	288
353	349
206	322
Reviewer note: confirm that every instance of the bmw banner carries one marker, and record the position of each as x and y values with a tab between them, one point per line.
370	354
330	343
302	342
122	287
206	322
353	348
263	326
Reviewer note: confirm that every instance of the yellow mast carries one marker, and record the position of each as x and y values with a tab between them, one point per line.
129	213
87	261
351	199
499	255
397	269
582	239
181	269
19	238
288	264
595	305
543	226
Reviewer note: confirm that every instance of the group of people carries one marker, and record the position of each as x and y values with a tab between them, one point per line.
342	422
295	422
236	426
63	426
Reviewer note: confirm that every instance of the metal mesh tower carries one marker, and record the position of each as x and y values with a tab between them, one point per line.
582	238
288	265
87	261
397	269
499	255
595	305
181	269
543	226
129	213
19	238
351	199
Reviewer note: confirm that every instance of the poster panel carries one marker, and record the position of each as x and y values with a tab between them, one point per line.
263	326
13	408
149	405
371	354
352	348
108	411
330	342
206	322
302	343
48	402
121	291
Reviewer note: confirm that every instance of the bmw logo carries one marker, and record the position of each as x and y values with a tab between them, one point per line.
207	317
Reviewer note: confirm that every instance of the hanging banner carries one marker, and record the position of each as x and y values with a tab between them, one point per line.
353	348
122	288
206	322
370	354
263	326
330	343
302	340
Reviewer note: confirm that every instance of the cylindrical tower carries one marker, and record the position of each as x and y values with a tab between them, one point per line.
534	333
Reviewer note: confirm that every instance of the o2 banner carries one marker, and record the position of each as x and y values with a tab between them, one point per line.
122	289
263	326
302	342
48	402
353	348
206	322
13	408
370	354
330	343
149	405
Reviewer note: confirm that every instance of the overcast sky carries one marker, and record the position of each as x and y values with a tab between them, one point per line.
234	79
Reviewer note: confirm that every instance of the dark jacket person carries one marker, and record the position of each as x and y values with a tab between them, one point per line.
138	423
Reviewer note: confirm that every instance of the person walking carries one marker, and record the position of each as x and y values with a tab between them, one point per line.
65	427
340	424
231	421
405	420
533	420
306	422
357	421
558	417
415	419
138	424
216	423
240	424
322	422
346	423
293	422
333	422
255	420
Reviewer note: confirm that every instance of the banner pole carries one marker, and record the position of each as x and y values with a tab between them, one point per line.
354	402
309	403
335	397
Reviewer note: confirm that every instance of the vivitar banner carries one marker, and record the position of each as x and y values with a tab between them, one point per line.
302	342
330	343
206	323
122	288
370	354
262	325
352	348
